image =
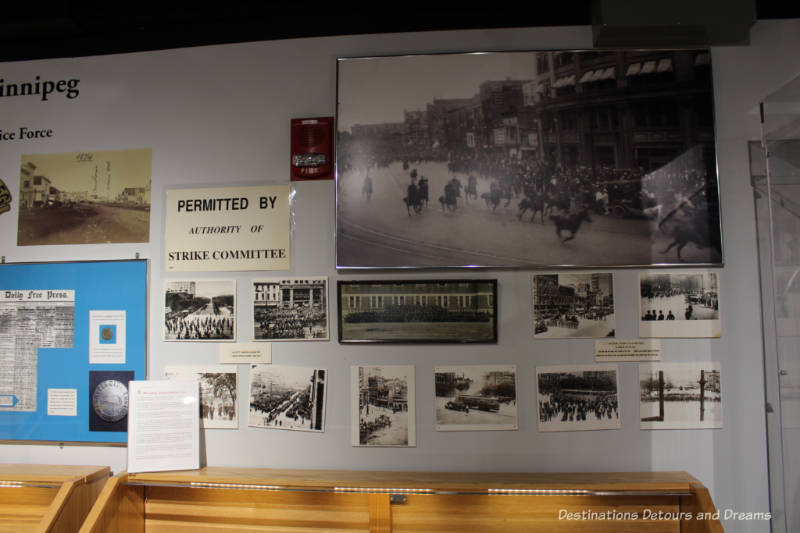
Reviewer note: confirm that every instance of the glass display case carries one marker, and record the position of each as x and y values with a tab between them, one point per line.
775	168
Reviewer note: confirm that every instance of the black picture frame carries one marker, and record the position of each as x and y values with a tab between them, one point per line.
555	158
417	311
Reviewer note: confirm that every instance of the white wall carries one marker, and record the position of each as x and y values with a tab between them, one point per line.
220	115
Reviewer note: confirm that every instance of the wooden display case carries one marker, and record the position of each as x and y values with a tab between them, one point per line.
245	499
48	498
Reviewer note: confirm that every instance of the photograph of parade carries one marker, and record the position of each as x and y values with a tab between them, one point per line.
218	393
551	158
287	397
457	311
85	197
578	305
199	310
383	406
290	309
679	304
680	395
576	398
476	397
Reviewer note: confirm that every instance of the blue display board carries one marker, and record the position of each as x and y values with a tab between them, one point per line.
49	390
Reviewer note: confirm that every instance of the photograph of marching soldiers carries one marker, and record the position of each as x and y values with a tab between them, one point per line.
573	305
383	406
679	304
199	310
575	398
85	197
680	395
290	309
476	397
287	397
418	311
218	393
602	158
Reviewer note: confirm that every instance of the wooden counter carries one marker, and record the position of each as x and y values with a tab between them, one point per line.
247	499
48	498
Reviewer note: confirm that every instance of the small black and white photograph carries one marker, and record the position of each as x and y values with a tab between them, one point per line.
91	197
287	397
476	397
573	305
578	397
200	310
218	393
382	401
290	309
446	311
680	395
527	159
679	304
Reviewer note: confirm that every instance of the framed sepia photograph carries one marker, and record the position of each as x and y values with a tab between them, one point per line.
578	397
679	304
527	159
200	310
680	395
573	305
453	310
476	397
218	392
382	402
287	397
85	197
289	309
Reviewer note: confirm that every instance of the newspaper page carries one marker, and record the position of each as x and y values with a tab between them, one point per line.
29	320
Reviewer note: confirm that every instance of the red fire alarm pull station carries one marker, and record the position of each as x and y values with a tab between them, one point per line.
312	148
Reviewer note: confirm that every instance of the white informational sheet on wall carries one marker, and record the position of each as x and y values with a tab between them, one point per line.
164	425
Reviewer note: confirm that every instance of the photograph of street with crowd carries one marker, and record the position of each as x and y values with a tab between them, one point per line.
199	310
457	310
382	399
476	397
218	393
576	305
287	397
575	398
679	304
290	309
552	158
680	395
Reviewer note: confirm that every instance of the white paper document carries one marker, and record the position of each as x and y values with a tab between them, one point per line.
253	352
163	426
107	337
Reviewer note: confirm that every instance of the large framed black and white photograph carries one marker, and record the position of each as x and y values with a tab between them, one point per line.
476	397
543	158
199	310
287	397
573	305
679	304
396	311
578	397
382	404
290	309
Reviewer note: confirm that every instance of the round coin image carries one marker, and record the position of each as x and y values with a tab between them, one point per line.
110	400
107	334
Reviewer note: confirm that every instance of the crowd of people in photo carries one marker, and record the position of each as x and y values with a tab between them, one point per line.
221	412
296	323
292	404
573	408
417	313
192	327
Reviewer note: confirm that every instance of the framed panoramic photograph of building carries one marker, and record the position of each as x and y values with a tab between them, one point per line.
451	310
527	159
290	309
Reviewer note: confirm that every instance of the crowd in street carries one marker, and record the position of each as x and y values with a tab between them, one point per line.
567	408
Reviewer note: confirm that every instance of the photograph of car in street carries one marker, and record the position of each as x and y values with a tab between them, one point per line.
476	397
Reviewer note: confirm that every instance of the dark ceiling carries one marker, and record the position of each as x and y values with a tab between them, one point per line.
90	30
